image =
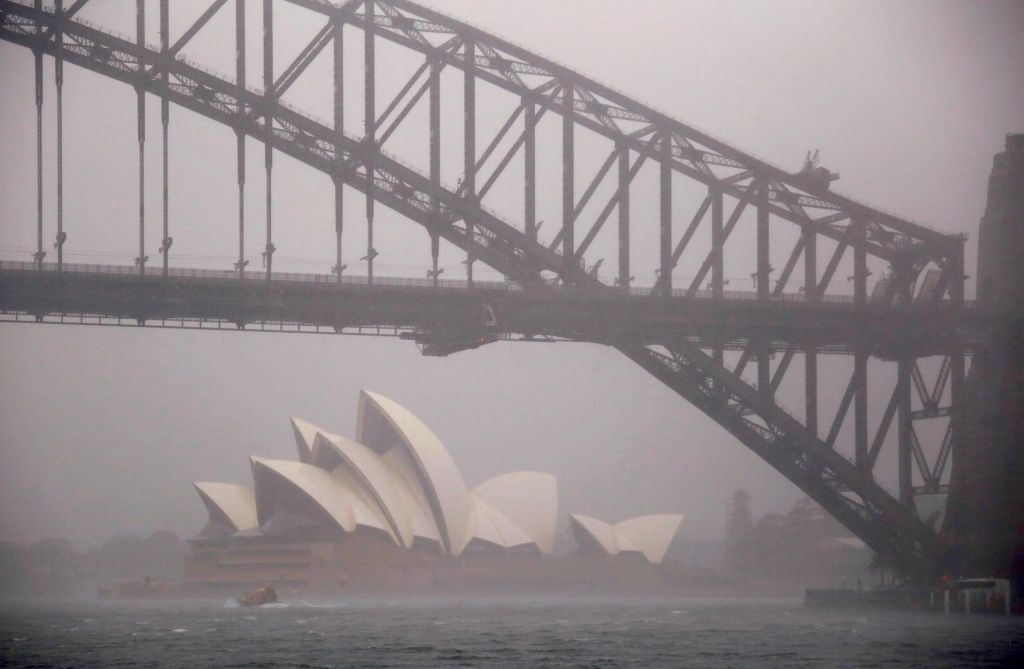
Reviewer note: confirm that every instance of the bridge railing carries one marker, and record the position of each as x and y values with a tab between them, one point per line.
129	271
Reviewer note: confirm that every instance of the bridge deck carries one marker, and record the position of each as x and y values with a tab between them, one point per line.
105	294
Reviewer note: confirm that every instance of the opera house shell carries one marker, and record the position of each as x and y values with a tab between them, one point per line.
384	506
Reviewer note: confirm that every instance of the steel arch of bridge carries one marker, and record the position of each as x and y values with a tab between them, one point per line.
695	369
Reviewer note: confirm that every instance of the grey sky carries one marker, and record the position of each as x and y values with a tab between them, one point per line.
101	429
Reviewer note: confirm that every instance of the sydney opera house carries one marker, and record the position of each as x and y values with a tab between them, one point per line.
390	509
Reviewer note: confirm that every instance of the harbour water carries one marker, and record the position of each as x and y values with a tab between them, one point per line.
691	632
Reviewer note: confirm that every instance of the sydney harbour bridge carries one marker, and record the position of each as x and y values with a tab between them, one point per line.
830	276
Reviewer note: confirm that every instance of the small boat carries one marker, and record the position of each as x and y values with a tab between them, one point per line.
264	595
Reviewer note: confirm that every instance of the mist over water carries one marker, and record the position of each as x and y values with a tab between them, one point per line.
689	632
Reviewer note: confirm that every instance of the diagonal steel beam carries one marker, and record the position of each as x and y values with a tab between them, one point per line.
787	271
684	241
65	15
524	137
512	151
780	371
943	457
777	437
529	63
309	53
741	205
595	182
940	382
613	201
187	36
883	427
920	386
302	60
412	102
741	364
844	408
833	263
602	172
919	458
420	71
499	136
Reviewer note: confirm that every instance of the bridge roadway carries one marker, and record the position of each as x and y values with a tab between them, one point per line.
194	298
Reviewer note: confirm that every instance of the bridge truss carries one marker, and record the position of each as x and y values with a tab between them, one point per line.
678	332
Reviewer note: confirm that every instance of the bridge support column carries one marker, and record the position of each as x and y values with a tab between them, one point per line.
140	39
904	437
810	235
860	408
469	142
268	151
370	125
165	119
811	294
40	253
58	72
435	164
763	258
764	367
530	167
957	400
240	80
242	262
717	263
568	175
339	135
665	272
624	180
717	245
339	226
811	387
860	261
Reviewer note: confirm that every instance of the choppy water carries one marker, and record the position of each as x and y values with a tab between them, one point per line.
485	633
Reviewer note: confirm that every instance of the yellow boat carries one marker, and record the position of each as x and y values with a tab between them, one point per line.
264	595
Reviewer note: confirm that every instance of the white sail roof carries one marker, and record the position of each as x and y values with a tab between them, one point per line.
342	504
528	499
305	433
414	498
649	536
494	527
375	476
396	478
625	544
228	504
593	532
365	509
380	420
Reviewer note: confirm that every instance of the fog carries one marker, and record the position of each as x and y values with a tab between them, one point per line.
103	429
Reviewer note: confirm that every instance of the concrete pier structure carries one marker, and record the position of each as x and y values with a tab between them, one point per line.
985	518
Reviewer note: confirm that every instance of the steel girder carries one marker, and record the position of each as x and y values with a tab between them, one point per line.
751	415
639	127
754	418
602	315
396	185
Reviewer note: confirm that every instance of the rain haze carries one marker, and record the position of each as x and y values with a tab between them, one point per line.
103	429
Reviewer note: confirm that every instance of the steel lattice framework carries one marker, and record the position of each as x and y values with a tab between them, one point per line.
927	314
